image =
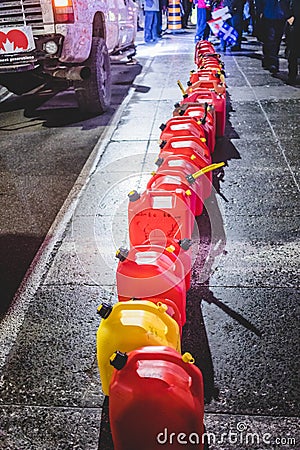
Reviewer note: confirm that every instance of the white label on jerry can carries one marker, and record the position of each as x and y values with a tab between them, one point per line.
162	202
146	257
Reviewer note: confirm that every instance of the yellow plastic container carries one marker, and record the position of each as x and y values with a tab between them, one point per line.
127	326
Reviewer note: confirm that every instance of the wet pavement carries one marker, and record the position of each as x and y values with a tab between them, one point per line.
242	308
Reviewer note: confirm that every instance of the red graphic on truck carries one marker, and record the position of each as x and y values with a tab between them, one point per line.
12	41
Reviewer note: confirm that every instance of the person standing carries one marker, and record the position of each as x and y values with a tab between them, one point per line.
202	30
293	40
187	8
236	9
151	9
273	14
140	15
163	4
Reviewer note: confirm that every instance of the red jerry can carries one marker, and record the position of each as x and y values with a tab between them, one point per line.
179	247
205	114
215	75
175	145
210	61
150	270
170	181
207	82
173	172
202	48
218	100
168	211
182	126
128	326
198	153
156	400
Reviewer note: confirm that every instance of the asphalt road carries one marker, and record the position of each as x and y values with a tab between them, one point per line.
44	143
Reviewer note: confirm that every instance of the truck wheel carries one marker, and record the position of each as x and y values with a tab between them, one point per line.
93	94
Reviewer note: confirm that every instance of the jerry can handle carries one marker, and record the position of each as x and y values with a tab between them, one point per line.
156	176
176	262
193	139
177	315
181	360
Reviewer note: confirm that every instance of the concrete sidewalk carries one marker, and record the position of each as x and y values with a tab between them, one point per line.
242	314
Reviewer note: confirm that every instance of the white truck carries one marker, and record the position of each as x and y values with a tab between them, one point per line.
67	40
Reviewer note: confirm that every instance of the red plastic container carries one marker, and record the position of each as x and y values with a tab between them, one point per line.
210	62
203	96
179	247
207	59
182	126
170	180
207	82
170	212
197	152
150	270
202	48
213	74
205	114
172	173
157	392
177	144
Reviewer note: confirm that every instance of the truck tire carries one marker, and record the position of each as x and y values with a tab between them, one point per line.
94	93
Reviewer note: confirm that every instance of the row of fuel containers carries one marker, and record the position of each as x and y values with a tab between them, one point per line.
155	392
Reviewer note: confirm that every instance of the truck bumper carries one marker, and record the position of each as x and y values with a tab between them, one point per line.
47	53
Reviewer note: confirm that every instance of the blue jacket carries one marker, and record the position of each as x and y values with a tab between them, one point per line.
273	9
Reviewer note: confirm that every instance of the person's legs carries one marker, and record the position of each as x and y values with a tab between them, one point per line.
274	47
293	64
187	7
147	26
206	32
268	43
293	47
154	28
237	23
201	23
159	24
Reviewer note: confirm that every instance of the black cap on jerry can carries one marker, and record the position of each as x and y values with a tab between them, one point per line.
162	126
104	310
190	179
185	243
133	196
118	360
122	253
159	161
162	144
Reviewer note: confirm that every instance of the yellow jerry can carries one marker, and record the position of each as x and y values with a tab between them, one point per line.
127	326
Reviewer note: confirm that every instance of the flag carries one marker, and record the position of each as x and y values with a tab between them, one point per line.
221	12
215	25
228	33
218	18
